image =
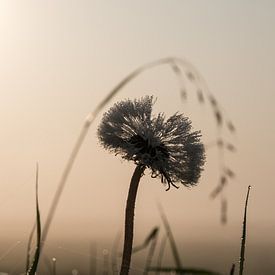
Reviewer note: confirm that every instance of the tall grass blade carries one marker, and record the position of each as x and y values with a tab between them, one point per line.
29	247
242	253
54	266
115	253
232	270
170	237
33	268
161	252
153	240
152	235
9	250
47	263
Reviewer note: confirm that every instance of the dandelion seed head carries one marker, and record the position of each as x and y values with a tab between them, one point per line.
167	147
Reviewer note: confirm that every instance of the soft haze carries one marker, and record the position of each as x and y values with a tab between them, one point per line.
58	59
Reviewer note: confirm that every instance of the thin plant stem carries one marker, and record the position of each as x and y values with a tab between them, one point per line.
232	270
29	247
129	220
115	253
33	268
150	254
170	237
244	234
152	235
54	266
9	250
161	253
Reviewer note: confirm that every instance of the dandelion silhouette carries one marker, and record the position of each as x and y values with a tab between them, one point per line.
167	147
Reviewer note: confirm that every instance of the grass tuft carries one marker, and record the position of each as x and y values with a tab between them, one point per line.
33	268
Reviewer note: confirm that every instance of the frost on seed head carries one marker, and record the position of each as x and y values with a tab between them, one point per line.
167	147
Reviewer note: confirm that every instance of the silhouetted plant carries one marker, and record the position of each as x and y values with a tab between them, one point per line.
151	240
32	269
170	237
167	147
183	70
242	253
232	270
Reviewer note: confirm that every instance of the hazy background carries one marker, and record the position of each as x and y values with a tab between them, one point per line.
59	58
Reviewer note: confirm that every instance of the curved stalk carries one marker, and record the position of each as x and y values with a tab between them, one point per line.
129	220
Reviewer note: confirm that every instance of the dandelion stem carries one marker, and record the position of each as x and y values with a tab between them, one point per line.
129	220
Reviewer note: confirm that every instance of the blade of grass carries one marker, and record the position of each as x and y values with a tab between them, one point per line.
153	239
161	252
170	236
33	268
232	270
242	253
115	253
9	250
47	263
29	247
148	239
